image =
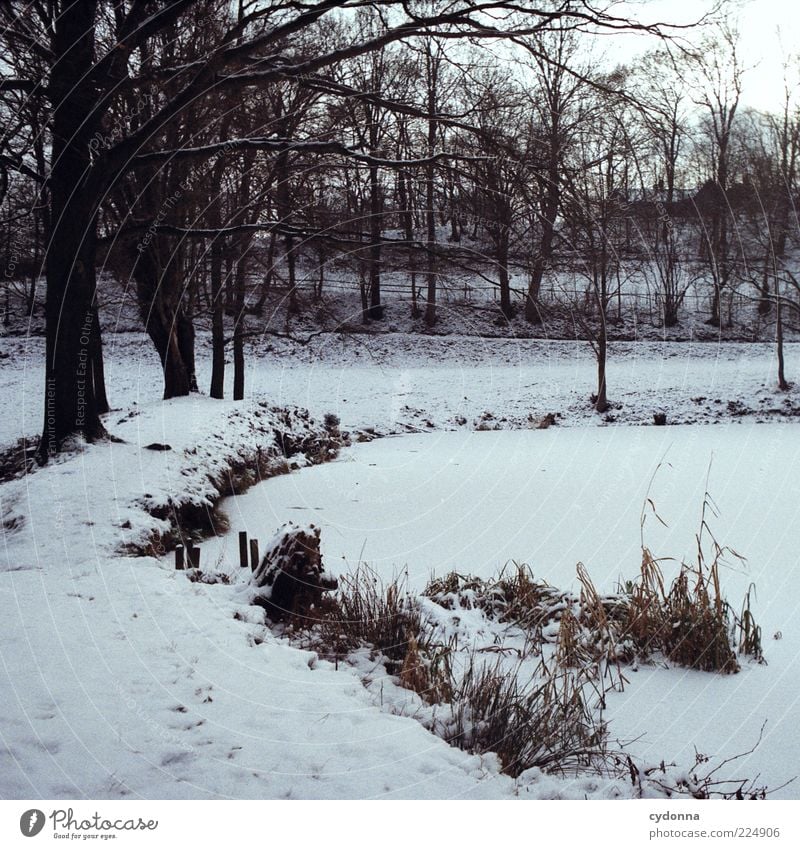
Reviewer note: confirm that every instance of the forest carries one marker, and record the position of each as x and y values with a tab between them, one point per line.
221	172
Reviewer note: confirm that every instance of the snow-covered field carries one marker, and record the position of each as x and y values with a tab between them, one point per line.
405	383
120	677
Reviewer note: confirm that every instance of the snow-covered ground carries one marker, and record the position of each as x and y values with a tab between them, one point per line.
122	677
404	383
471	502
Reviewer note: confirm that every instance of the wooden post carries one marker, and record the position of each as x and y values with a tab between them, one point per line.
254	554
243	549
179	557
194	557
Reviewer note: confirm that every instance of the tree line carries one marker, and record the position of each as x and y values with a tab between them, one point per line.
195	146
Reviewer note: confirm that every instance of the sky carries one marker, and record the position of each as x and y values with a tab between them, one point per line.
769	32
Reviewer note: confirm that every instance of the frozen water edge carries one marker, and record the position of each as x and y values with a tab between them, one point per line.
430	503
108	661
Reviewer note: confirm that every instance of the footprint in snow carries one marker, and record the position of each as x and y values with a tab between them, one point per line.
175	758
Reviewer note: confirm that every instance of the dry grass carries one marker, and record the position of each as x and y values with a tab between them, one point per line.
514	596
456	590
537	713
687	621
368	612
427	670
749	632
543	723
691	622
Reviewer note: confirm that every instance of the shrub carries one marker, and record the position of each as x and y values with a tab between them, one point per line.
691	623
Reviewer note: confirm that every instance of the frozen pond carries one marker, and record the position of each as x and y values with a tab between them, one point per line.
474	501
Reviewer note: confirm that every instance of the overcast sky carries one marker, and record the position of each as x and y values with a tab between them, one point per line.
762	48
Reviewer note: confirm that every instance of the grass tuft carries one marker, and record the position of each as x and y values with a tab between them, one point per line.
368	612
545	722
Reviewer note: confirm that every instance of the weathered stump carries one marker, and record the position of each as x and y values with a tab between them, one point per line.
291	577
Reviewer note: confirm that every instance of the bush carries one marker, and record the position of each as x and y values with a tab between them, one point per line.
537	713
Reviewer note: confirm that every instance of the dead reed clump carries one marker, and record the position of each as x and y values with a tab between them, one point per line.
698	636
570	648
515	596
691	623
427	670
749	632
644	620
600	617
545	723
368	612
455	590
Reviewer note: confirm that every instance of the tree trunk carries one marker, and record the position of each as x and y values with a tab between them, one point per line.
284	202
167	322
98	369
407	219
30	305
601	403
545	254
783	384
239	328
375	231
764	294
218	308
505	289
533	313
266	283
291	268
318	289
217	322
70	403
430	212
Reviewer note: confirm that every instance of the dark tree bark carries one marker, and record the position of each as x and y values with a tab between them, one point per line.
217	389
167	322
544	254
98	369
432	69
601	402
239	331
71	403
375	232
284	202
502	271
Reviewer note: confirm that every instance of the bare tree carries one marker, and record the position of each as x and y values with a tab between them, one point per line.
93	53
559	82
595	208
660	101
718	89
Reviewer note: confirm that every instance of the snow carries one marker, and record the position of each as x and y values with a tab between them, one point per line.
550	498
428	504
400	383
128	492
121	677
130	681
